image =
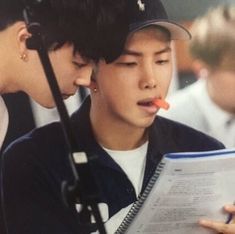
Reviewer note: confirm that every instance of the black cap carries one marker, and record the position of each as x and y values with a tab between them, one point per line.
143	13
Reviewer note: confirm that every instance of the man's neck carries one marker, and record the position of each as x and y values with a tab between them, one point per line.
116	137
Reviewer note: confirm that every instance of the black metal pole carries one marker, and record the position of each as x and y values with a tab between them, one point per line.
83	180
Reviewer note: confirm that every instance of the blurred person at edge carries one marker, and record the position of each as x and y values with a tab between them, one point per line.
69	28
209	104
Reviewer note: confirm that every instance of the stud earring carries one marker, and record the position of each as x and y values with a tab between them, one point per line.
24	57
95	90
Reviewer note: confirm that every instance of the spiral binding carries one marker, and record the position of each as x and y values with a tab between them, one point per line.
140	201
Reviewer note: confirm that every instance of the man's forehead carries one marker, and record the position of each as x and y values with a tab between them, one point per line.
148	35
138	53
156	32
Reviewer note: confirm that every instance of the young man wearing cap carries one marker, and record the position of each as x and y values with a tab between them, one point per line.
116	127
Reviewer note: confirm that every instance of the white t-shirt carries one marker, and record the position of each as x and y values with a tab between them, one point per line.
133	164
4	119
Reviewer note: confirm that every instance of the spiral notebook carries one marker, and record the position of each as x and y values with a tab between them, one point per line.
184	188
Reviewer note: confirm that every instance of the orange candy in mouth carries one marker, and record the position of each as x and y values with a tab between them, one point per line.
161	104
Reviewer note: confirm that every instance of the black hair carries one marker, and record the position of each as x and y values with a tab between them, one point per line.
96	28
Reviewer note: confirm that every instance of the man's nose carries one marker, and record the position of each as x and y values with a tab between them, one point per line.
83	79
148	78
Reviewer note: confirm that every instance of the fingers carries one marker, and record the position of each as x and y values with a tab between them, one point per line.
219	227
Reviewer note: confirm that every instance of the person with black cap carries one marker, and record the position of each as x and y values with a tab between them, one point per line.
116	127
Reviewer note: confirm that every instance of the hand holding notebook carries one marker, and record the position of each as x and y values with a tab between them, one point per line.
191	186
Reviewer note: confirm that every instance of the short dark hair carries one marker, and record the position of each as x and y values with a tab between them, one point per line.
92	26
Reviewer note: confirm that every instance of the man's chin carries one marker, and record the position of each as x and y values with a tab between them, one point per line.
146	123
48	105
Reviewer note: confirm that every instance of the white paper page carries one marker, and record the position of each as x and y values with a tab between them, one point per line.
187	190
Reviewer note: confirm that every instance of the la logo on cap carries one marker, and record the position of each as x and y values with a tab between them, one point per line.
141	5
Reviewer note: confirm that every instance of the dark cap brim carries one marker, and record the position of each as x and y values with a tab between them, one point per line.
177	31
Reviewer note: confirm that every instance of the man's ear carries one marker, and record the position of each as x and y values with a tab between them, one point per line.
22	36
93	84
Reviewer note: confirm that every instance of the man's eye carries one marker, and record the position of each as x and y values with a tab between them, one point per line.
162	61
127	64
80	65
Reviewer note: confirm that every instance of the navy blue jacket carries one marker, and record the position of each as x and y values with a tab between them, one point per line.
35	165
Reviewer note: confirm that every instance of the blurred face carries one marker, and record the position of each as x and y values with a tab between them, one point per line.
126	87
71	70
221	87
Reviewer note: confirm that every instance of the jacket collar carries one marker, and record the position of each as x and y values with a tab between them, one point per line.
86	139
158	143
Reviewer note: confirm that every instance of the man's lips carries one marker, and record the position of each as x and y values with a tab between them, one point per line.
148	106
146	101
154	102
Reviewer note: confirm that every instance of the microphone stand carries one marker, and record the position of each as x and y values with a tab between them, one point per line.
83	181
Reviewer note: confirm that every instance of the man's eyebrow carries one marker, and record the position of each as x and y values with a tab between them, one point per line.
165	50
138	54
